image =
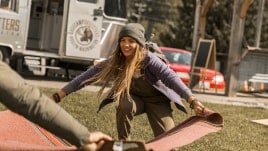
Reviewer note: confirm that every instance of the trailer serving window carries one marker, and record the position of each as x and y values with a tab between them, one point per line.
116	8
9	5
113	8
88	1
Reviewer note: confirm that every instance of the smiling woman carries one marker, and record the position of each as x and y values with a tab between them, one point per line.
141	84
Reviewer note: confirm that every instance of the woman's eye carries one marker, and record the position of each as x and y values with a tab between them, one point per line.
132	41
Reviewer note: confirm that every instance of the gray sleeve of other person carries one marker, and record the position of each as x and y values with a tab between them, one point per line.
29	102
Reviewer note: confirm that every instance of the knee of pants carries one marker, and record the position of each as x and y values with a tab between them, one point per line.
125	106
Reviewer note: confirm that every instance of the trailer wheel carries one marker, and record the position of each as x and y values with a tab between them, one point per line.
4	55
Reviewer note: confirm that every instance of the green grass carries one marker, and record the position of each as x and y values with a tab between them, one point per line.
238	133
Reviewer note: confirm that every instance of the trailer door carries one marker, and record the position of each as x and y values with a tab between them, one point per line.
84	27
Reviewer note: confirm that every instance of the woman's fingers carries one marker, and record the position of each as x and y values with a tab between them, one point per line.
199	108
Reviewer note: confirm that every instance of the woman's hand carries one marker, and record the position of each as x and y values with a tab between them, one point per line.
197	106
58	96
96	140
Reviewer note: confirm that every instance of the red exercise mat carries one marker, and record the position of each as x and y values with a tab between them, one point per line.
187	132
17	133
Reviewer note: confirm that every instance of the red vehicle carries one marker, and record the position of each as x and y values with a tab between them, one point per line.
180	62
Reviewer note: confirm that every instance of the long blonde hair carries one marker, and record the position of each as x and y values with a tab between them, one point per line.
121	71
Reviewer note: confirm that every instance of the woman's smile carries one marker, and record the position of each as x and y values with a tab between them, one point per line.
128	46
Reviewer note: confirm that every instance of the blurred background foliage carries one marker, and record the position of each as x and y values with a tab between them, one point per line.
172	22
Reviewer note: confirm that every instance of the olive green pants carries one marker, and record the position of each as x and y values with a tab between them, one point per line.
157	108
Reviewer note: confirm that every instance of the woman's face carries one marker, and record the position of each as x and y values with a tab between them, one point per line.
128	46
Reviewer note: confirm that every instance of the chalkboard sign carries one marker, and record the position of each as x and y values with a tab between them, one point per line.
202	54
205	56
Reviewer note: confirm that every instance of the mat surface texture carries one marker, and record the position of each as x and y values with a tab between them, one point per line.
17	133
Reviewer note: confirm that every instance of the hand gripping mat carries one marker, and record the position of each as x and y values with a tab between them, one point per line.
17	134
186	132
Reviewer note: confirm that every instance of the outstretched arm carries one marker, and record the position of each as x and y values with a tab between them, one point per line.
171	80
78	82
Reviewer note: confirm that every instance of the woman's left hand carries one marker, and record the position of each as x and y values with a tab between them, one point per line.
198	107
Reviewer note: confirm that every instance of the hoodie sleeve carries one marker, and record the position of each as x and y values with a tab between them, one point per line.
81	80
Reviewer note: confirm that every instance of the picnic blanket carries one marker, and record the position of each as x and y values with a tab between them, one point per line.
17	133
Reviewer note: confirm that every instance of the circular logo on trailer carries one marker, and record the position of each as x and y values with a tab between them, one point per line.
84	35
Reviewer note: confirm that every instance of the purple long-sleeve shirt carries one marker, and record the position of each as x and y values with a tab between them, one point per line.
159	75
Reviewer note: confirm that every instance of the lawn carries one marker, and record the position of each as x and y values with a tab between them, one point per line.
238	133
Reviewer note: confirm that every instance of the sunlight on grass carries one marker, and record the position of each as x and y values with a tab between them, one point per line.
238	133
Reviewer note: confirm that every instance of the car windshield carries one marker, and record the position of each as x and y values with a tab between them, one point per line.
177	57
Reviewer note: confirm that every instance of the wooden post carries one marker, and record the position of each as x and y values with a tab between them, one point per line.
259	23
203	17
237	31
196	25
201	10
